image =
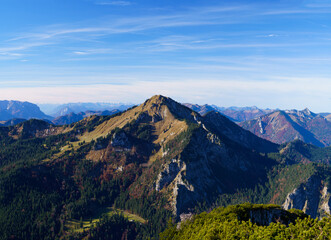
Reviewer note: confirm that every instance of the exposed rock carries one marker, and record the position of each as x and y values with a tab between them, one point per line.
168	174
120	139
308	198
325	202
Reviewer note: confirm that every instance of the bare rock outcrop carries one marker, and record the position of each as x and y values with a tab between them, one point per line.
312	198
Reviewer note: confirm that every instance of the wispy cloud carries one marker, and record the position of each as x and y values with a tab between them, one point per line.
93	51
296	11
111	25
115	3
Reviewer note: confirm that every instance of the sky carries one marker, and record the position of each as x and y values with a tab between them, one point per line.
270	54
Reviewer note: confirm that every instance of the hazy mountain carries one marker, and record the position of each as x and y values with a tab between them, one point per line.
236	114
202	109
245	113
286	126
73	117
17	109
64	109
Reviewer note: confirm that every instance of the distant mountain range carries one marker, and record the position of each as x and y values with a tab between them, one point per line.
286	126
274	125
236	114
64	109
73	117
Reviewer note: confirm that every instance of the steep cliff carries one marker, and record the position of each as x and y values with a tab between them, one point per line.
312	197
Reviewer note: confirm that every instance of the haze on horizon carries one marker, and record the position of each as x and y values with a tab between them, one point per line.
271	54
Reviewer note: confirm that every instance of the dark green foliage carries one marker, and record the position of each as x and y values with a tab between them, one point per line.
238	222
114	227
149	207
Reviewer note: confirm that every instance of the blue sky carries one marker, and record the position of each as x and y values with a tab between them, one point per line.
274	54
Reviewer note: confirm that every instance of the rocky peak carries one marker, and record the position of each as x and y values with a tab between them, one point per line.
158	105
307	112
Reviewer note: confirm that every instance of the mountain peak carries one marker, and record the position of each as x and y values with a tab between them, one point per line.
157	100
306	111
156	104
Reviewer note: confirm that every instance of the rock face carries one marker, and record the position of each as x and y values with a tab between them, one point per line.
168	174
312	197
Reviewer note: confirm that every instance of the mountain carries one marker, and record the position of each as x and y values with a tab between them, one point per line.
64	109
151	162
236	114
286	126
73	117
188	153
17	109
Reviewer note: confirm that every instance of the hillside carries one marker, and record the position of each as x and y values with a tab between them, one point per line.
17	109
285	126
156	160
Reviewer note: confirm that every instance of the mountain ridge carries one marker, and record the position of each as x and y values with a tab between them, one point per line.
285	126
